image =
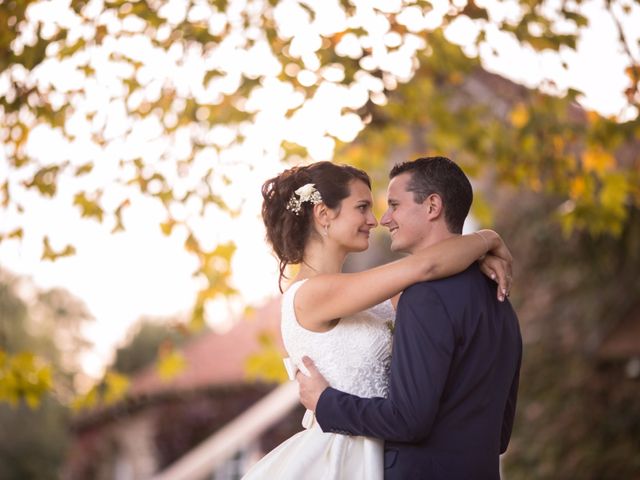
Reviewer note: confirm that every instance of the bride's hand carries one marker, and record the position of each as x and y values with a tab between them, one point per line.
499	270
497	263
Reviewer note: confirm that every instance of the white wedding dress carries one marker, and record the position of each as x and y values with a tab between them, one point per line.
354	357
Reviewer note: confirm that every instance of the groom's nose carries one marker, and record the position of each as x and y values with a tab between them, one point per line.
386	218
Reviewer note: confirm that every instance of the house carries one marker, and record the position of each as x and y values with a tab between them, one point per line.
160	421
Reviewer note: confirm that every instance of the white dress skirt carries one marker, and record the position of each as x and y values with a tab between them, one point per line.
313	454
354	357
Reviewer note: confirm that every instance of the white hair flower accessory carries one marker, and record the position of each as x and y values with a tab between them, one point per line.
306	193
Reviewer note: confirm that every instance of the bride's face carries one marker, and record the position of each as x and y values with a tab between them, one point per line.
351	226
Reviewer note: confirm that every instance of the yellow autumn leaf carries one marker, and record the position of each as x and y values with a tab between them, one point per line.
597	160
519	116
170	365
88	207
87	400
577	187
593	116
116	386
535	184
45	180
119	226
292	270
48	253
558	144
249	312
191	244
32	399
614	193
482	211
24	377
529	145
5	193
45	377
197	321
84	169
17	233
225	250
167	227
456	78
266	364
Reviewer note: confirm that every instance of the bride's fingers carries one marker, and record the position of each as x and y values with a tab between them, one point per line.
503	278
508	276
487	270
503	289
507	284
502	271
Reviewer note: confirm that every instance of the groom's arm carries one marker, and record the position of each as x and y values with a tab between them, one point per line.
422	352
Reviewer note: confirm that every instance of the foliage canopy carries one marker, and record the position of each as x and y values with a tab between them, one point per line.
103	102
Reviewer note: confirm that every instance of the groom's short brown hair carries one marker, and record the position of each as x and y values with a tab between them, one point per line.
442	176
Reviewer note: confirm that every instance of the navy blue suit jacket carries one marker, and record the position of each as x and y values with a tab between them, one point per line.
453	385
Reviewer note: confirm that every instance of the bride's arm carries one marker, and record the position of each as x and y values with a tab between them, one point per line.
327	297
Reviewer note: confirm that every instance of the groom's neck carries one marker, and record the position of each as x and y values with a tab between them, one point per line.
434	236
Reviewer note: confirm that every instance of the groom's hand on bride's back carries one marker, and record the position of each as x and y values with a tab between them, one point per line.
310	386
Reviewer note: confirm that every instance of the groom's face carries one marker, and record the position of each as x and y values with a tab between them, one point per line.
405	218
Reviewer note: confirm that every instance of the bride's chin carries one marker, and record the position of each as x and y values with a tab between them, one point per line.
361	248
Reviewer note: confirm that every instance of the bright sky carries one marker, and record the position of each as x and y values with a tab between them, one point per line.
142	272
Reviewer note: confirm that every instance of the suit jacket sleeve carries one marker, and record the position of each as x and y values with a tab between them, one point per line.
422	353
510	408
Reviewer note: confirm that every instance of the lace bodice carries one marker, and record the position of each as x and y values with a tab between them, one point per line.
354	356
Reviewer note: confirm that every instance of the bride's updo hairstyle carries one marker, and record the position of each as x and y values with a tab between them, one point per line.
289	229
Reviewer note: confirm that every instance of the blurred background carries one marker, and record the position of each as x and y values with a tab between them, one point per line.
138	299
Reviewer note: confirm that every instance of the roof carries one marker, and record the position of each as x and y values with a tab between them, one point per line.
216	359
214	362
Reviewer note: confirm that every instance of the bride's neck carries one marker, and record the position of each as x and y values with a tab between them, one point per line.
321	259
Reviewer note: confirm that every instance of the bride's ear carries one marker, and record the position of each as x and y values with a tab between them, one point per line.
321	217
320	212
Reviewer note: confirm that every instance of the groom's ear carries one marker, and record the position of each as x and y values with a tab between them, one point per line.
433	205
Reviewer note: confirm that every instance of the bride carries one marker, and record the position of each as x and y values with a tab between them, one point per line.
314	216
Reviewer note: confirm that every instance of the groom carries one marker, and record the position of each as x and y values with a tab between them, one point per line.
456	349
